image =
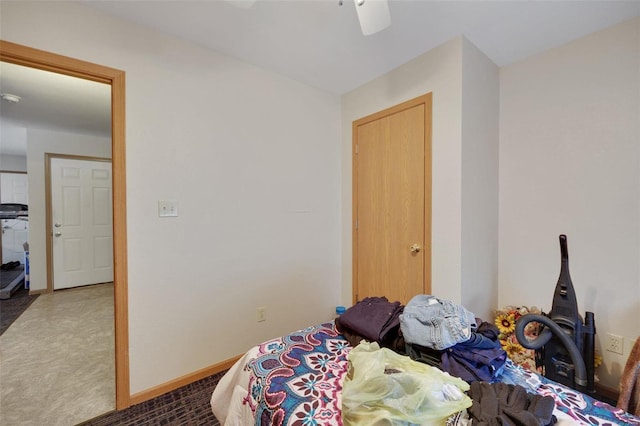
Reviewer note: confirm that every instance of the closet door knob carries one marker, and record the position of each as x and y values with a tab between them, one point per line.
57	225
415	248
57	234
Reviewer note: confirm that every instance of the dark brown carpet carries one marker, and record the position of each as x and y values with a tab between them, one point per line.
13	307
188	405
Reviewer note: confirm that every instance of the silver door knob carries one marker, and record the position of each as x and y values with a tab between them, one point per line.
57	225
57	234
415	248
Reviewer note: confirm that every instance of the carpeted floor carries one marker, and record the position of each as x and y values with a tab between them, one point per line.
13	307
188	405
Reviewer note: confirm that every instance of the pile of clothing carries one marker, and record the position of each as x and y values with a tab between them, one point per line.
437	332
446	335
505	404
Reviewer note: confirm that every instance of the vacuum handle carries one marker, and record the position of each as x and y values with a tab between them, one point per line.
564	252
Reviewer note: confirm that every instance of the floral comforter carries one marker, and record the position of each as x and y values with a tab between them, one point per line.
297	380
292	380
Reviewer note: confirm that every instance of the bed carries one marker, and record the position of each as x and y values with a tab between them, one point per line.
297	379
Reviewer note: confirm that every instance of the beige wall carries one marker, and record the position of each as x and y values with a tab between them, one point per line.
569	164
480	110
253	160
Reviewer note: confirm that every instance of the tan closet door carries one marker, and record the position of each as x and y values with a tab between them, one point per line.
392	202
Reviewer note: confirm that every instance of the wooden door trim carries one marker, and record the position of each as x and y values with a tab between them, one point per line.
48	205
35	58
425	100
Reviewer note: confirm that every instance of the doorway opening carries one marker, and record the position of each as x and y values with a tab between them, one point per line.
35	58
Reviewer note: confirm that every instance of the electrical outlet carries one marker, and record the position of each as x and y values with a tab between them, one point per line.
262	314
615	343
167	208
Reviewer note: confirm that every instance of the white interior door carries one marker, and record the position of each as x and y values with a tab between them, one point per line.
82	222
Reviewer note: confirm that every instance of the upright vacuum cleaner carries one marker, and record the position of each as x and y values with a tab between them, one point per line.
565	344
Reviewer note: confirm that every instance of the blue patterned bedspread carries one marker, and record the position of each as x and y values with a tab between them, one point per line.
582	408
297	380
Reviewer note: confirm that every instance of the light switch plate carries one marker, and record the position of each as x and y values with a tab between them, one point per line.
167	208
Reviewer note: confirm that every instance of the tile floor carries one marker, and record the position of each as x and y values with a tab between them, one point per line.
57	362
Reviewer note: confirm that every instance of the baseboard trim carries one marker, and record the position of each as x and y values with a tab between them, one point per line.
182	381
609	393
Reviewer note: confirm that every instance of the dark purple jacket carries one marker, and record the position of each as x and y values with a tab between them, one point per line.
372	318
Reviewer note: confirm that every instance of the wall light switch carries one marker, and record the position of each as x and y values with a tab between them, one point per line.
167	208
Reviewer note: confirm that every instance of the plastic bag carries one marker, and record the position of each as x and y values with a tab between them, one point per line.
385	388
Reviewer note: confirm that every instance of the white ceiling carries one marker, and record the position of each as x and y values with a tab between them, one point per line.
50	101
318	42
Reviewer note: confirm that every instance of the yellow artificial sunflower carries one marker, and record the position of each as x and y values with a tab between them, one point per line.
597	360
506	323
512	349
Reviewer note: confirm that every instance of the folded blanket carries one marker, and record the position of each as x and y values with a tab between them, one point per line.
629	399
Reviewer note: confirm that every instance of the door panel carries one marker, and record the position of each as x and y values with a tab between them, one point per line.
392	206
82	227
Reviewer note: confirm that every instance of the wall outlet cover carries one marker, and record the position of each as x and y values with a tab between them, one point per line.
615	343
262	314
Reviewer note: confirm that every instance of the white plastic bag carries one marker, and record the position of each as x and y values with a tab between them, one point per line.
385	388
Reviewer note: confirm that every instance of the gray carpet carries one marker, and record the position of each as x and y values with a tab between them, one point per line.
188	405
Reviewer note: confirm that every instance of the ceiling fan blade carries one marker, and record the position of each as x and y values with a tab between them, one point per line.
373	15
242	4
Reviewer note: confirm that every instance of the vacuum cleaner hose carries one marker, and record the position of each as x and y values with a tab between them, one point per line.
580	374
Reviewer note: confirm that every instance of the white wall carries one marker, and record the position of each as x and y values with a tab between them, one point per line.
480	111
13	146
569	164
13	163
40	142
253	160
